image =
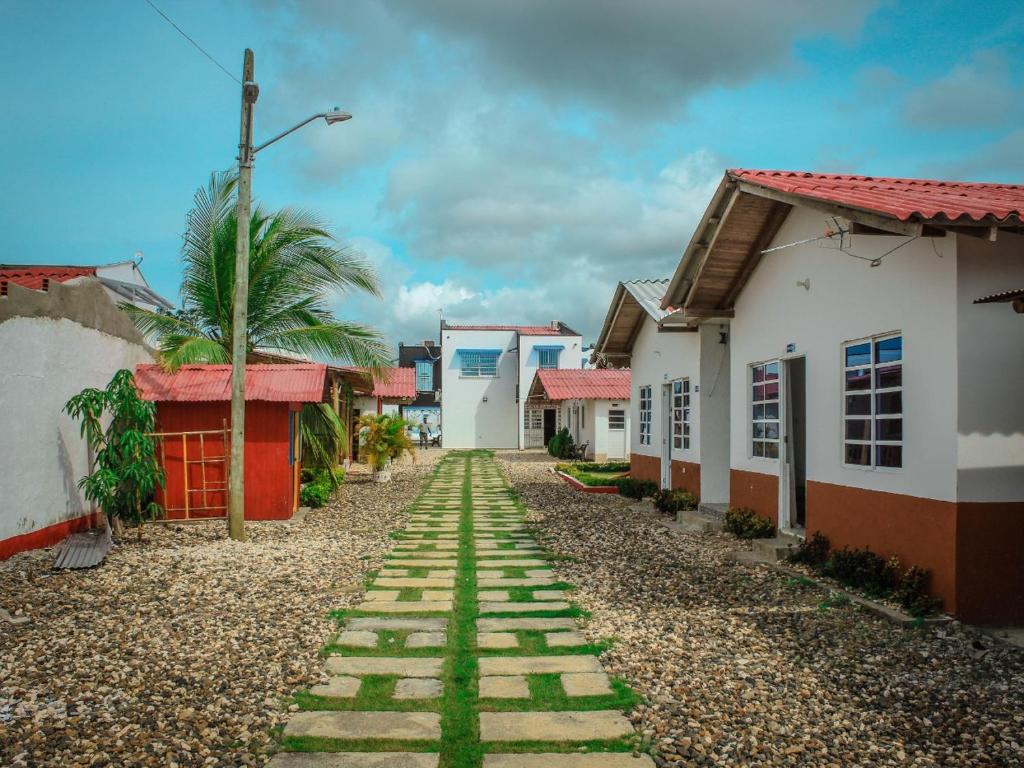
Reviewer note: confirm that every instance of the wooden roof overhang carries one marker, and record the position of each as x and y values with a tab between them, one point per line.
621	326
742	220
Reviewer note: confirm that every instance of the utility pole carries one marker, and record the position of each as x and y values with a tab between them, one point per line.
240	310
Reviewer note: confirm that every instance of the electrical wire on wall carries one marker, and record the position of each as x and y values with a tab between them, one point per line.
845	243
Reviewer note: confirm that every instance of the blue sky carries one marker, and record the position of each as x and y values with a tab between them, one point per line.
507	162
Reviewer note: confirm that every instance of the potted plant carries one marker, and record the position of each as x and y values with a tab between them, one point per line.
382	439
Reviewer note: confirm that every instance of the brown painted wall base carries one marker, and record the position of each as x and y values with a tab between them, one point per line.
758	491
685	474
975	551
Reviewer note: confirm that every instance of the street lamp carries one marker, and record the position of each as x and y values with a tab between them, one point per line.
246	153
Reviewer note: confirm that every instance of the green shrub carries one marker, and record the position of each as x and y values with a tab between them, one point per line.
866	571
632	488
745	523
321	488
604	466
560	445
671	501
811	552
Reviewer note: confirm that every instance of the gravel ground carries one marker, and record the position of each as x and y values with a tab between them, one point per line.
740	666
178	651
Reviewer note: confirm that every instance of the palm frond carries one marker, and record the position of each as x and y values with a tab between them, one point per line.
324	437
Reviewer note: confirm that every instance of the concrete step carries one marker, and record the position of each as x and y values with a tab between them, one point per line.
775	549
703	518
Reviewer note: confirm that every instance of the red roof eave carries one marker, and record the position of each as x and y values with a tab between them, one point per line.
585	383
283	383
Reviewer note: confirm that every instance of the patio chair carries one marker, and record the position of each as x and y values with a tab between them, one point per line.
580	452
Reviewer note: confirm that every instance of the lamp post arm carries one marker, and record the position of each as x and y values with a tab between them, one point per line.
294	128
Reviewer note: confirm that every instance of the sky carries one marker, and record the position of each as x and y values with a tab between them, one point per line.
508	162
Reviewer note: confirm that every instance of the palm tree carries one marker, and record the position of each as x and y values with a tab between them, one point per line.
294	267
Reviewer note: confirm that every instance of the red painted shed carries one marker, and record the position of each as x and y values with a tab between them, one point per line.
193	424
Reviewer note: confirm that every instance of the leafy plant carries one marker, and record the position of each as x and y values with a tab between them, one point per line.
745	523
127	473
599	466
561	445
671	501
383	438
323	436
812	551
321	486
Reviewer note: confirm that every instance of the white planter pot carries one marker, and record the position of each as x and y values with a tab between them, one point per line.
382	475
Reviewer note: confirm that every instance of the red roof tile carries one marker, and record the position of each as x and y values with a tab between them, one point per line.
33	276
401	383
525	330
585	383
300	383
900	198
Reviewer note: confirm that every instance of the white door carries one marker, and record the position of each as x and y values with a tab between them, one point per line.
616	434
666	435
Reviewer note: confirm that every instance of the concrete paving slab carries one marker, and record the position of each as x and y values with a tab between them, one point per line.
564	639
553	726
497	581
511	624
496	640
355	760
360	666
418	688
537	665
365	725
395	624
426	640
413	582
493	595
586	684
382	594
563	760
406	606
487	607
504	687
339	686
357	639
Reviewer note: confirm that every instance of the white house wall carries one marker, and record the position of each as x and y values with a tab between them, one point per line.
657	359
913	291
712	425
469	422
46	361
990	442
529	363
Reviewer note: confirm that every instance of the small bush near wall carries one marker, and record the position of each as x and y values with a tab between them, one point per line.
866	571
634	489
745	523
560	445
673	501
319	490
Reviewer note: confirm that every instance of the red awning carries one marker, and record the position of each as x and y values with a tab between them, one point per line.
299	383
585	383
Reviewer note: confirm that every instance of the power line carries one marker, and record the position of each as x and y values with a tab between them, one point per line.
197	45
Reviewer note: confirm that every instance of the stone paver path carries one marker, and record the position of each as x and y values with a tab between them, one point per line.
465	652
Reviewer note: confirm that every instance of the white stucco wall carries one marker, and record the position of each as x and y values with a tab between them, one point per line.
913	292
529	362
42	457
712	426
990	439
469	422
597	412
658	358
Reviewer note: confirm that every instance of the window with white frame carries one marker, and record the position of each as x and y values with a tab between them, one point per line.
424	375
764	404
548	358
873	402
479	364
645	415
681	414
617	420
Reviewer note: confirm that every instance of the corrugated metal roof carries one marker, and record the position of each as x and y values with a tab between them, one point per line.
585	383
401	383
299	383
32	276
648	294
1001	296
901	198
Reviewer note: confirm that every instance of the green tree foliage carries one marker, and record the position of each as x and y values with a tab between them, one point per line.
127	472
383	438
295	270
